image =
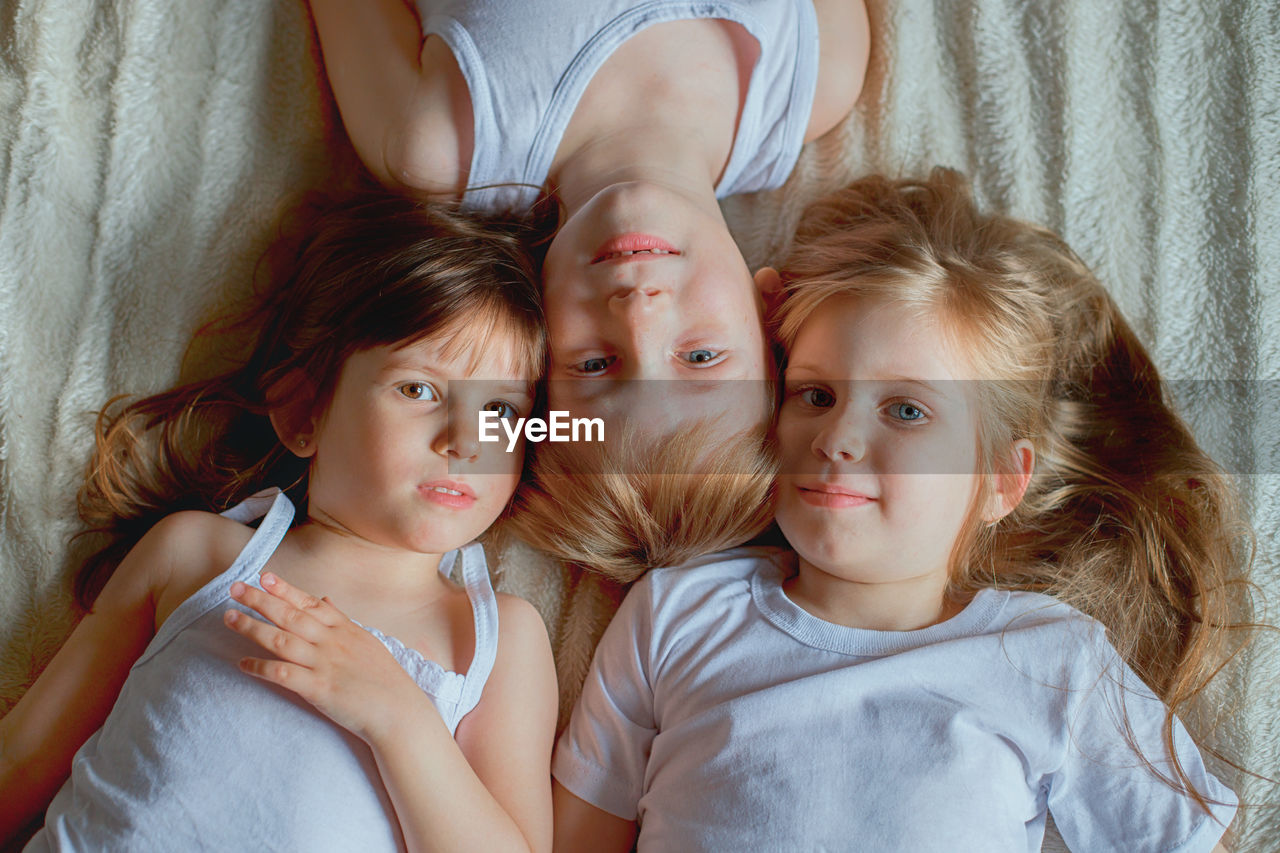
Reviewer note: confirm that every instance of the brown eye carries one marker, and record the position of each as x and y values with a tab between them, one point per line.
819	398
593	366
504	409
418	391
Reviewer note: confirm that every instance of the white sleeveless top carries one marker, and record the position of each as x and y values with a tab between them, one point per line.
527	64
197	755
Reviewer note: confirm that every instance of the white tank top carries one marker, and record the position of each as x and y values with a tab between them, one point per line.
197	755
527	64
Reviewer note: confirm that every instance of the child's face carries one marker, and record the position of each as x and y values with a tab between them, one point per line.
400	439
643	284
878	442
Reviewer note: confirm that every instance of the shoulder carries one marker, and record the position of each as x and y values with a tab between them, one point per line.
185	539
1039	633
518	619
523	665
523	640
1045	620
427	149
844	39
721	573
192	523
670	601
185	550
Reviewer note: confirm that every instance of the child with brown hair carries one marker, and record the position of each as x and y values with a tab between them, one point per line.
428	722
975	452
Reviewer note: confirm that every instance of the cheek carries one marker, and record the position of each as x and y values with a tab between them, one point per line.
734	303
558	319
496	463
930	508
498	489
556	261
795	437
570	325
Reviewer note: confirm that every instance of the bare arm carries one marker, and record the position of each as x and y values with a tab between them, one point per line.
404	104
844	46
487	790
581	826
72	697
501	787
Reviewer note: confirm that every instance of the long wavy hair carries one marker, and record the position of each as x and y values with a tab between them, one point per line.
346	275
1125	518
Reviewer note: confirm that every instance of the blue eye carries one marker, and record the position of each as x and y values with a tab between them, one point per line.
418	391
819	398
701	356
504	409
594	365
905	412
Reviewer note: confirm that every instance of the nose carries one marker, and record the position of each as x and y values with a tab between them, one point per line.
644	319
635	298
464	449
842	439
457	441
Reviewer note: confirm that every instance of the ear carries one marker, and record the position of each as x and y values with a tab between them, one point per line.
769	283
1011	481
291	408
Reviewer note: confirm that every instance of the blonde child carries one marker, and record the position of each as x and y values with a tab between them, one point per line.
425	723
971	442
636	117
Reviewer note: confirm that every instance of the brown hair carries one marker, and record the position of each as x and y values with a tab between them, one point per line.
1125	517
645	500
348	275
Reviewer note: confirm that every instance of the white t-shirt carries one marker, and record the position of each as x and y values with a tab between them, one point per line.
722	716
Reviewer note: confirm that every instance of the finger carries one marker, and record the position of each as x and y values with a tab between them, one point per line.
321	609
279	611
282	644
290	676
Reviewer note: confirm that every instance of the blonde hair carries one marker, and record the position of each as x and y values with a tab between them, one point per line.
1125	517
645	500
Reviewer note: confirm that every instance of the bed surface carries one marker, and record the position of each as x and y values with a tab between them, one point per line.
146	147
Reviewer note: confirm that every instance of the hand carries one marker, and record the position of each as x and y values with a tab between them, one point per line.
324	657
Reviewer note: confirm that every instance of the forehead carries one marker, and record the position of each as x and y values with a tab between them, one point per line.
847	337
496	356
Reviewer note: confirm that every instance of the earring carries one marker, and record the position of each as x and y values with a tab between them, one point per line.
302	442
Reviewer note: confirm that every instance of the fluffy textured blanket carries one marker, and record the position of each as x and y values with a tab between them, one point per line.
147	145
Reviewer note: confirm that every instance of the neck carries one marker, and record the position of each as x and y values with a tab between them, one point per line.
351	570
905	604
674	157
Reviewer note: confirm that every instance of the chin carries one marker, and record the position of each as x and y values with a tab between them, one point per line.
828	556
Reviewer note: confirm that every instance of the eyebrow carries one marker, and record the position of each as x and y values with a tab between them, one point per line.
526	388
393	366
510	386
900	380
701	387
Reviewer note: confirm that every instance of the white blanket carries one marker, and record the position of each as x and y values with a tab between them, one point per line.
147	145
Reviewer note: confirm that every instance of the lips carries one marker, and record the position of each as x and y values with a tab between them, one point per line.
633	247
832	496
448	493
